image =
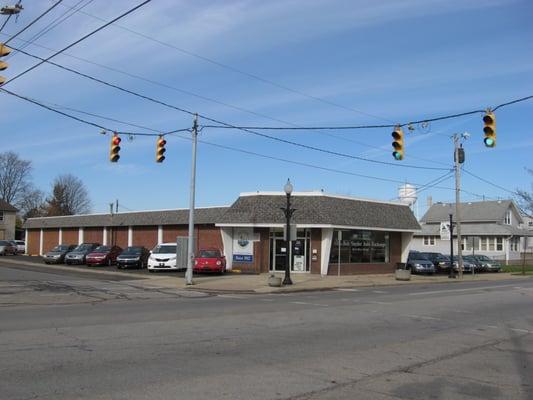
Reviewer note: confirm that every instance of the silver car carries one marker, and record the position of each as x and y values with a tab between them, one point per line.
6	248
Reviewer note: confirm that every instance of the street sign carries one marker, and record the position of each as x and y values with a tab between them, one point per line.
444	231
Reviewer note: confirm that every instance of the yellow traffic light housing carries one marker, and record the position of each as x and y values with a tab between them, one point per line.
489	120
4	51
115	148
160	150
397	144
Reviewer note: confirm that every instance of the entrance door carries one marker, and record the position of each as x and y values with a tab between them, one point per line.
280	254
299	251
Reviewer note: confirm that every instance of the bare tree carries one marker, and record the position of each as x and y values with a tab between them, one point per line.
525	198
69	196
15	178
33	204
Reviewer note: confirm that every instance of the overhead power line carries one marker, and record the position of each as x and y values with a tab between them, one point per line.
181	109
490	183
78	41
33	22
236	70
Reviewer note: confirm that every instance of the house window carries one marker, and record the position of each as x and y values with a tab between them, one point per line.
1	215
515	243
429	240
358	246
492	244
507	220
483	243
499	244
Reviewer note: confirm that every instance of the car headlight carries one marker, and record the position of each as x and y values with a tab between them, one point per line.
417	265
151	258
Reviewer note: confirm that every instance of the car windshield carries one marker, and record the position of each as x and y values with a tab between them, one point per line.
132	250
3	243
443	258
61	247
165	249
418	256
83	247
102	249
484	258
209	254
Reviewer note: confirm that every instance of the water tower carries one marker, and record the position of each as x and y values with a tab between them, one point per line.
407	195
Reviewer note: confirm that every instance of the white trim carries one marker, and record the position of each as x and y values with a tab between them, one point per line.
325	249
317	194
26	242
41	239
316	226
104	236
80	235
227	244
60	236
159	234
130	236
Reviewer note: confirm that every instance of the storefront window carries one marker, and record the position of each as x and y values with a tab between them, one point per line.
357	246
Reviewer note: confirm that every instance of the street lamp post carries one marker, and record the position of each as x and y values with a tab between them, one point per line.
288	214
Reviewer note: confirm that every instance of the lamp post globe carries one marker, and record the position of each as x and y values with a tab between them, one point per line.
288	187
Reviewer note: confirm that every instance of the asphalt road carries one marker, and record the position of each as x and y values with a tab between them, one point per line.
66	336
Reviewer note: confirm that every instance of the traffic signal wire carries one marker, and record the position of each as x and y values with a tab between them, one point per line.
5	22
335	153
490	183
233	69
52	25
33	22
77	41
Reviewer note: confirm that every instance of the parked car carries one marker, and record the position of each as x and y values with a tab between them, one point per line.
467	265
488	264
163	257
210	260
21	246
58	253
103	255
440	261
418	263
79	254
7	248
478	266
134	256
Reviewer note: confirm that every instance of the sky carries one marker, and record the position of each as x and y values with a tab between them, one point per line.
276	63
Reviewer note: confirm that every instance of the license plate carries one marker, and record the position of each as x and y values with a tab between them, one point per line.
161	264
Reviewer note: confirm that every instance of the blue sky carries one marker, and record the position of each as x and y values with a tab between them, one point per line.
383	62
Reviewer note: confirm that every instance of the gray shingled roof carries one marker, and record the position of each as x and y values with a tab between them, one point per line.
165	217
477	229
5	206
475	211
320	209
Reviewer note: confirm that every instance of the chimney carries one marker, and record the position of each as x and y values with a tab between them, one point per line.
429	201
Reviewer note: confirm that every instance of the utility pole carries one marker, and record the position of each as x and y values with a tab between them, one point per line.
452	272
459	158
190	244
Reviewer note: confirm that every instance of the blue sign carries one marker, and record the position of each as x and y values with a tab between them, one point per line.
244	258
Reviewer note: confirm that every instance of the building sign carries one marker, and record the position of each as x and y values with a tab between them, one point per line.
243	258
444	231
243	245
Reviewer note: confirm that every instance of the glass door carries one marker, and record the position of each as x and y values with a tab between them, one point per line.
299	251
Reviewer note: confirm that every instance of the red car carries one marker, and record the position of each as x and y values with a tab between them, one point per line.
103	255
210	260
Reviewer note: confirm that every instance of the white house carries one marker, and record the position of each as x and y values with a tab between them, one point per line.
492	228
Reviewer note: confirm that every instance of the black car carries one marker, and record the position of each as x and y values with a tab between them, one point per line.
418	263
488	264
133	257
441	262
58	253
79	254
478	266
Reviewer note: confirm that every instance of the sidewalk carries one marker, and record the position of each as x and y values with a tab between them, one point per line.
237	283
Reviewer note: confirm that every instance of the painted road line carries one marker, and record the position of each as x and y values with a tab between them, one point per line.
303	303
379	291
422	317
347	290
458	290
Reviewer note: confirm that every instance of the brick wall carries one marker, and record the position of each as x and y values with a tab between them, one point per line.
118	235
70	236
145	236
32	241
50	239
93	235
170	232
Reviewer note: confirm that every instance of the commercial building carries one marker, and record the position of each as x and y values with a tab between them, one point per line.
8	217
334	234
492	228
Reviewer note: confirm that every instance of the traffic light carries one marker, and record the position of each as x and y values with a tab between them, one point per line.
160	150
4	51
489	119
115	148
397	144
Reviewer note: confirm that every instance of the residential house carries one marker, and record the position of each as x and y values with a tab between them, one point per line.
7	220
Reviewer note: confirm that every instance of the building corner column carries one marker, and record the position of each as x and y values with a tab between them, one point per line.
41	240
60	236
80	235
159	234
130	236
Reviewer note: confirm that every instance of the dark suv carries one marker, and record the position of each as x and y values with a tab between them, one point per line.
79	254
441	262
418	263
